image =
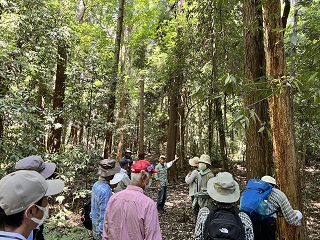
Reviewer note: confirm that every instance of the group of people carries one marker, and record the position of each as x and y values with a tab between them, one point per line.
216	197
24	198
121	210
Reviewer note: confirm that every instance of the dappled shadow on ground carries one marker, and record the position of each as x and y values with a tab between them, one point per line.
178	221
312	203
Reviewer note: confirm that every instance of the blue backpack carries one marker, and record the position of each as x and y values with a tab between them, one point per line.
253	200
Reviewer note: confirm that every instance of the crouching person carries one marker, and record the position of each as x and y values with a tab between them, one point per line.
221	218
24	202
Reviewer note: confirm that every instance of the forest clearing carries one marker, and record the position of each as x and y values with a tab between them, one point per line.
83	81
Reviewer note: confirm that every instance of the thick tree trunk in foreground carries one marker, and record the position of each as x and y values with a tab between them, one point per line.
258	145
54	139
281	116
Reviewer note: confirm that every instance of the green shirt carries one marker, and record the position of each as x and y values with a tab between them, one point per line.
162	176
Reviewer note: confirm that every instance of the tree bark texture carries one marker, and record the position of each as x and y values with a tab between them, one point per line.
114	80
54	139
258	145
281	117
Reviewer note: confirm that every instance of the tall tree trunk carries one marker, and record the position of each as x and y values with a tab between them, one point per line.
222	136
114	81
182	120
122	104
41	105
217	101
141	117
174	96
258	145
281	116
3	90
172	132
54	139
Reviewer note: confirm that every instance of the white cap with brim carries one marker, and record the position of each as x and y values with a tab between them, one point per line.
36	163
269	179
223	188
21	188
117	178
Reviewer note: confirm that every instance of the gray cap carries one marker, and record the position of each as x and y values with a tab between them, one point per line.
37	164
21	188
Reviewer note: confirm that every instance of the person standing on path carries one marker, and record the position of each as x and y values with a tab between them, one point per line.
201	197
192	179
130	214
127	157
101	193
162	180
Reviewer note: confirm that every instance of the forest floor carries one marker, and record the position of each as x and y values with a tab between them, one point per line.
177	223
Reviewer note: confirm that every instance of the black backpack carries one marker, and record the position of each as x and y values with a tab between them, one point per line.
85	215
223	223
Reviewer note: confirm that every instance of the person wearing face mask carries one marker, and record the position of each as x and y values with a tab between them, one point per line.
202	198
130	214
46	170
24	202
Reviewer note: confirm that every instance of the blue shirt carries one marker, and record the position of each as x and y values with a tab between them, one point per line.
101	192
11	236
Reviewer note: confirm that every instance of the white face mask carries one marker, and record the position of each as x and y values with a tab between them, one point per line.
202	166
45	215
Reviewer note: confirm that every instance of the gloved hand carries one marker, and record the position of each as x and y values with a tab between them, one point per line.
298	213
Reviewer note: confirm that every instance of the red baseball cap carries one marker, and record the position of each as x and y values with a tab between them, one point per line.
145	165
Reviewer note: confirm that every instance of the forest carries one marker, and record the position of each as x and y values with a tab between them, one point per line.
82	80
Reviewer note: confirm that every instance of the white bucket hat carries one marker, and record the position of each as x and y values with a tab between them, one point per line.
204	158
269	179
194	161
223	188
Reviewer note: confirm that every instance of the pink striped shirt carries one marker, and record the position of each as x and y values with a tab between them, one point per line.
132	215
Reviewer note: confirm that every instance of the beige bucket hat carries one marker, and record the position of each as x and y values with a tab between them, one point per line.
223	188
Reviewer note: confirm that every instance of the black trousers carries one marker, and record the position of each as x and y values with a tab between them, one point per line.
265	230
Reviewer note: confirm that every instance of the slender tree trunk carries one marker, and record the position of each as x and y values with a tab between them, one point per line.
258	145
281	116
182	120
222	137
54	139
114	81
122	105
141	118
